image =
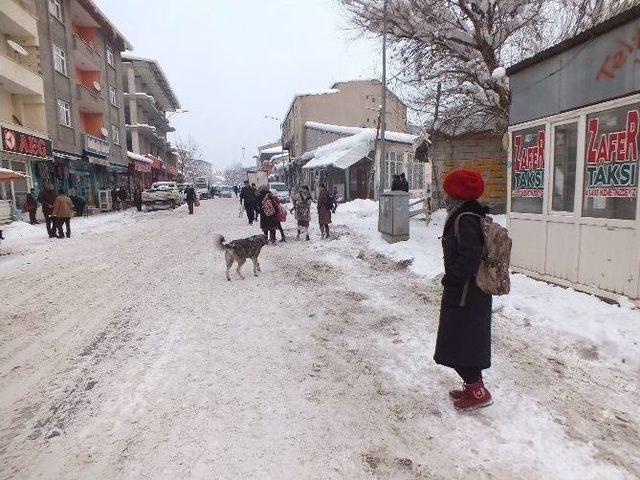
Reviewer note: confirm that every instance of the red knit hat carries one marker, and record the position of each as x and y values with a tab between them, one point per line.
463	184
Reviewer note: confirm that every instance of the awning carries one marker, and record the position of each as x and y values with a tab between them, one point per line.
118	167
139	158
140	167
6	175
98	161
60	155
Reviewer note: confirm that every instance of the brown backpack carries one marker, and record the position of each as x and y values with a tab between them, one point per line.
493	272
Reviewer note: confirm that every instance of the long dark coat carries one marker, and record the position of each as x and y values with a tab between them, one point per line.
324	208
464	333
266	222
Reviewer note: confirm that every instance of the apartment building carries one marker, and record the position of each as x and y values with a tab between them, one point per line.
81	67
148	97
25	143
353	103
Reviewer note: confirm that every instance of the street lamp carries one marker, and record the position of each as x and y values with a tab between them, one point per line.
179	110
271	117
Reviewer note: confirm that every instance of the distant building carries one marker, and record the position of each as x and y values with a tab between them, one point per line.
353	104
148	97
343	157
25	142
81	69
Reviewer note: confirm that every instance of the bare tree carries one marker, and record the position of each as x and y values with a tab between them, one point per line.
193	165
235	174
462	44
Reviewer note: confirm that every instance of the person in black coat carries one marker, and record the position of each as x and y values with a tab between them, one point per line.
268	223
191	197
464	333
396	184
32	201
404	185
248	200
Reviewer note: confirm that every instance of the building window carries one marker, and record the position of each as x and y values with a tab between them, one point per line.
110	57
55	9
393	165
417	178
611	163
115	134
527	174
59	60
112	96
565	146
64	113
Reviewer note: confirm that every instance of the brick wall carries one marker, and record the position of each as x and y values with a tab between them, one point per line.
482	152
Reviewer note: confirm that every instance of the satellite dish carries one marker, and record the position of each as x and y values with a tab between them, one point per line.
104	131
97	86
17	48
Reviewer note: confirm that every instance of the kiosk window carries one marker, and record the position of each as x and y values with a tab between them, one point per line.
565	146
527	175
611	163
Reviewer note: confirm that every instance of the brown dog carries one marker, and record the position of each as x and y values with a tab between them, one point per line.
239	250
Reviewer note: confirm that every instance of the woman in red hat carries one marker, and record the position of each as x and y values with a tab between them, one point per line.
464	332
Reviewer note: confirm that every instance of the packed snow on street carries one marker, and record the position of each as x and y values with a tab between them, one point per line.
125	353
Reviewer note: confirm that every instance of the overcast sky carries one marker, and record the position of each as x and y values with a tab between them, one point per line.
231	62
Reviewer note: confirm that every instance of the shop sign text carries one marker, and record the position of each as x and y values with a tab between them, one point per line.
25	144
528	165
612	159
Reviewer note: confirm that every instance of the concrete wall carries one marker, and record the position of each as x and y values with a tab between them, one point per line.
482	152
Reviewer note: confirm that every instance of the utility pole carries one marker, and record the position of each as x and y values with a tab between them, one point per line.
242	155
383	114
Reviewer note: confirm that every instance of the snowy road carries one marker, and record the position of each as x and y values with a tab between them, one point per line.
124	353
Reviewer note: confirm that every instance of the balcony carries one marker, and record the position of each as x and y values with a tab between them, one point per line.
18	22
86	56
148	131
156	117
89	100
19	77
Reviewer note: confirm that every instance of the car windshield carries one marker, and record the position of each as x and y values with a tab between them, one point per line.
280	187
164	185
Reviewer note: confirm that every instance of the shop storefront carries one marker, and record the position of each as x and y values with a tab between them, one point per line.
573	206
23	152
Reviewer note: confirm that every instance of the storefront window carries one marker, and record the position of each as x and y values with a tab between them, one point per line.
527	179
565	146
611	163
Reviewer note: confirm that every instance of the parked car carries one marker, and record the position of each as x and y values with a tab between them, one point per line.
281	191
225	191
161	195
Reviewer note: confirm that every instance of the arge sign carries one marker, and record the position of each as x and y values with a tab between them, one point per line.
528	163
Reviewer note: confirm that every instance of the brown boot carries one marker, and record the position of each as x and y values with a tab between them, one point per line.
477	396
458	393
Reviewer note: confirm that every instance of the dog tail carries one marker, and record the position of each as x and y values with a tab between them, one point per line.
220	242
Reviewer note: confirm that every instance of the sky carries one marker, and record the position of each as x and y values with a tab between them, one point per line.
231	62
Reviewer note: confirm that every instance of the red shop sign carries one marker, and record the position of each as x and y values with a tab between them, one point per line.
25	144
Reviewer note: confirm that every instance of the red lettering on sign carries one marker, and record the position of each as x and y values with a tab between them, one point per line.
632	135
592	155
617	59
620	146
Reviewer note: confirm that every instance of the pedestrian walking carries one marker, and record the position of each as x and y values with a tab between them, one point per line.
62	211
32	203
404	185
302	208
191	197
325	206
47	198
123	195
464	333
79	204
235	190
248	200
137	198
281	216
256	212
114	199
267	210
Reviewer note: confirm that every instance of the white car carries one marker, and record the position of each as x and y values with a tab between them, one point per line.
225	191
161	195
281	191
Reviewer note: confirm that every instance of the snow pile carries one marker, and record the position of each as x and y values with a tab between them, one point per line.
277	149
613	329
310	93
139	158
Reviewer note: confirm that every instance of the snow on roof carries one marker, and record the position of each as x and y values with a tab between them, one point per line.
277	149
344	152
391	136
355	80
140	158
279	157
